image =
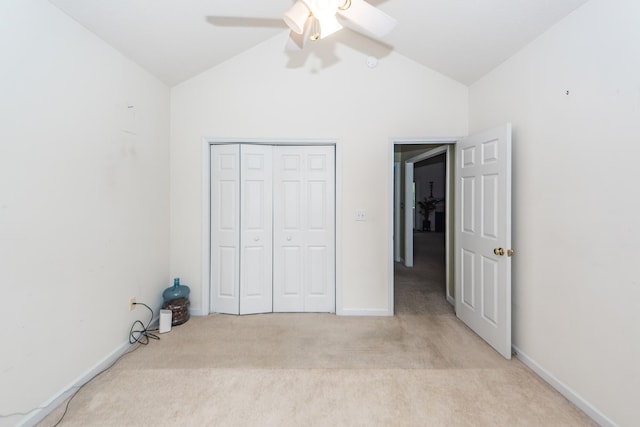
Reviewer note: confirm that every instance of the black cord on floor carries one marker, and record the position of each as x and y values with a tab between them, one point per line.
143	335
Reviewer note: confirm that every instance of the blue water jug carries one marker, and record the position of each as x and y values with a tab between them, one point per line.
176	291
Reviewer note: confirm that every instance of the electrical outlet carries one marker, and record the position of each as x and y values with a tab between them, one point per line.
361	215
132	303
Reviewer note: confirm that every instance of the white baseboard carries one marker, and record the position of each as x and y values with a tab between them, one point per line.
50	405
347	312
197	312
363	312
593	412
451	301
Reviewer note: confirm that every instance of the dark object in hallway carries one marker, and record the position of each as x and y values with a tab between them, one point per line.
426	206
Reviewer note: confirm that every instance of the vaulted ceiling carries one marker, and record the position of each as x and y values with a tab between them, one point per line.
178	39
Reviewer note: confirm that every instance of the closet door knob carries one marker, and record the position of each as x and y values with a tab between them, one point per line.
256	238
288	238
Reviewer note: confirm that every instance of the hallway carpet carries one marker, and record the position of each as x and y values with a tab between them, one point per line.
422	367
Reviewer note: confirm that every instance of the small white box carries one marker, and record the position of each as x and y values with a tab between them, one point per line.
165	321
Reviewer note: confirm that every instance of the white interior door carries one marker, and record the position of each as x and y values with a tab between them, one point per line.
408	214
225	228
304	229
483	236
397	187
256	229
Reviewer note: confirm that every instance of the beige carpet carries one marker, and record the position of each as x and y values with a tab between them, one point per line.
420	368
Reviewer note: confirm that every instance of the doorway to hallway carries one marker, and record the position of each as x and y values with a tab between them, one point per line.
423	215
477	229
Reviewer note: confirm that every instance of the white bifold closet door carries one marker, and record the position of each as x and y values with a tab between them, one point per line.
256	229
225	228
241	229
304	229
272	228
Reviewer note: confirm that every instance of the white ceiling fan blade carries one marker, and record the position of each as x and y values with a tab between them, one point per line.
369	18
256	9
297	16
240	21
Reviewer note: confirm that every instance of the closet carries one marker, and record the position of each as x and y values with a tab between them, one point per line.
272	228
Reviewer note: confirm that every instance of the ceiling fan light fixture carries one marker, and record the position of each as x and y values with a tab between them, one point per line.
328	26
296	42
297	16
324	12
316	19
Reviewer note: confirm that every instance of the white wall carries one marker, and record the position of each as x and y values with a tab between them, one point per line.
576	282
83	205
261	94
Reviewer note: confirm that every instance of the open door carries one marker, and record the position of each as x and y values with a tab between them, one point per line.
483	236
408	214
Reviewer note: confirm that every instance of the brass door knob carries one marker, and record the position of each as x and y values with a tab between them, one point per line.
498	251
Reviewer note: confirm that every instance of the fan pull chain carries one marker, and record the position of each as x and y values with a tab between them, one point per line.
315	32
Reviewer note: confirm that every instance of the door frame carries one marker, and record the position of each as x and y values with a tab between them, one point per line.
207	142
449	207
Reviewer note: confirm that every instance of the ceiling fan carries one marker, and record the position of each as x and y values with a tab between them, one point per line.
317	19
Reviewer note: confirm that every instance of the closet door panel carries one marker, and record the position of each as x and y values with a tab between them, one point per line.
288	198
225	228
318	263
256	232
320	232
304	212
292	275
